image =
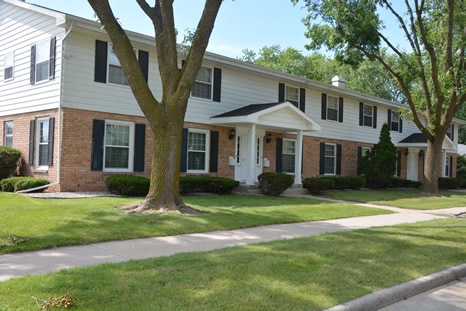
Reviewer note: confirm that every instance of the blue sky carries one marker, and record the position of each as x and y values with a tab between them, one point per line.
240	24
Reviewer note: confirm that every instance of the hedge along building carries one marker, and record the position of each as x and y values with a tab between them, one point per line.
66	105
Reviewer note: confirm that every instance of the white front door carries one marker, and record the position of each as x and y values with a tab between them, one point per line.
243	162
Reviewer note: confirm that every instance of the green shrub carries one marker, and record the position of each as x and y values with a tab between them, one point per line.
128	185
207	184
8	161
14	184
315	185
357	182
447	183
396	182
271	183
411	183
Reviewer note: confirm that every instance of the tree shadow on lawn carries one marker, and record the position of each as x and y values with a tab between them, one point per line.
298	274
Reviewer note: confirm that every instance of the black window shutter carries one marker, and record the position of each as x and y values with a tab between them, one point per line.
278	156
184	151
217	85
100	66
139	147
143	59
374	111
281	92
302	99
359	160
32	127
361	113
338	159
213	165
33	65
97	153
50	142
398	165
323	113
322	159
53	52
340	109
452	132
389	119
400	127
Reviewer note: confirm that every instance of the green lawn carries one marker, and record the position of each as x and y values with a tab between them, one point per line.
298	274
46	223
406	198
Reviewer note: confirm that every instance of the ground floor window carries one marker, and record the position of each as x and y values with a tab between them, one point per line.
448	164
288	156
42	141
197	151
330	159
118	146
8	134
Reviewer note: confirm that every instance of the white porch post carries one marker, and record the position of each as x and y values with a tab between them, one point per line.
298	157
252	156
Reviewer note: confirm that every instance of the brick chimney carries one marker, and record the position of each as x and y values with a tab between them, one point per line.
339	81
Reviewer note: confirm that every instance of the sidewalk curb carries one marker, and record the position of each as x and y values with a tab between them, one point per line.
397	293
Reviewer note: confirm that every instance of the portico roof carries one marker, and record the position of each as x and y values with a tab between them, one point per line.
418	140
279	117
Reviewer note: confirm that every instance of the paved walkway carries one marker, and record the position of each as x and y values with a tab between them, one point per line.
52	260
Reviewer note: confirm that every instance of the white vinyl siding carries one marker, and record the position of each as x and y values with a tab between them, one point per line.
9	133
9	62
198	142
203	84
330	157
118	146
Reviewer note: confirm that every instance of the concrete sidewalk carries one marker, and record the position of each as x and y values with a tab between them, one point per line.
52	260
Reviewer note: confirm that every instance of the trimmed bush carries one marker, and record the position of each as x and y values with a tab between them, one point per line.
128	185
447	183
357	182
411	183
14	184
396	182
8	161
271	183
207	184
315	185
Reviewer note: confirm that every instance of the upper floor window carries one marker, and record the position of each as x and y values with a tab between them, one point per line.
43	61
9	61
367	115
118	146
292	95
288	156
197	151
451	132
332	108
395	121
115	72
203	84
9	134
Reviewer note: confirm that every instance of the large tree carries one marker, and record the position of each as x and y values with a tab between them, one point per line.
165	115
430	71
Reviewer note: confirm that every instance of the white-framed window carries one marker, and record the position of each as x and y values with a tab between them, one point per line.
198	155
330	159
203	85
42	61
9	133
9	62
450	132
288	156
447	166
42	142
118	146
395	121
292	95
365	151
115	72
332	108
368	115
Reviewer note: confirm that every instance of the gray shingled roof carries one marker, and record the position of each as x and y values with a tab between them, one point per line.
246	110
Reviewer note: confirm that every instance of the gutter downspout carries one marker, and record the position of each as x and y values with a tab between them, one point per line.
59	120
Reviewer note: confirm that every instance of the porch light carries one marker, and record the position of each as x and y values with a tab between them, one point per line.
232	134
268	138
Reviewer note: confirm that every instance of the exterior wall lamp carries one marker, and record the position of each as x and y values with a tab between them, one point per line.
232	134
268	138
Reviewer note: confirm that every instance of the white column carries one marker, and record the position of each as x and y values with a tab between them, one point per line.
298	157
252	156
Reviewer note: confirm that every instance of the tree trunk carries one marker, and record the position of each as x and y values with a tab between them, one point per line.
433	167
